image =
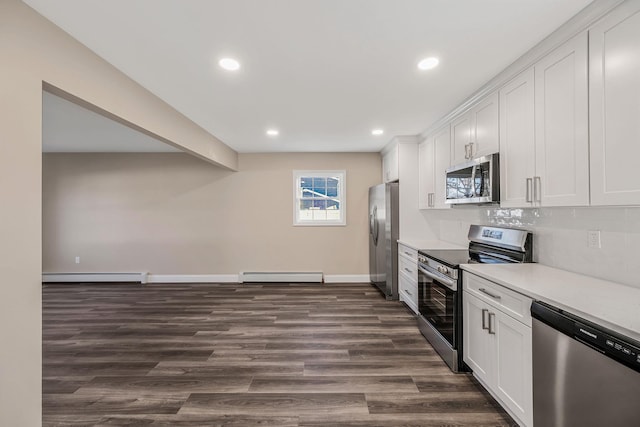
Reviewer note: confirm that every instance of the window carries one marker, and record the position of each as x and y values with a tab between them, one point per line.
319	198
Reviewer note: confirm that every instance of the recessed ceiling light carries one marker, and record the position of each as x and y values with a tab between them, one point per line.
377	132
428	63
229	64
273	132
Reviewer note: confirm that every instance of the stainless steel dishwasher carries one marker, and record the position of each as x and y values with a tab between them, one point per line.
583	374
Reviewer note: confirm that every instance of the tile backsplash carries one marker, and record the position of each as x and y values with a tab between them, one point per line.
560	236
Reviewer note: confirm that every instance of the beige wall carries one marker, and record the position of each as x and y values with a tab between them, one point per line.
34	52
174	214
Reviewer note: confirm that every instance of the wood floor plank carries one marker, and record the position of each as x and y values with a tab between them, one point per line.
275	403
410	420
111	404
334	384
377	368
246	355
429	402
164	385
229	368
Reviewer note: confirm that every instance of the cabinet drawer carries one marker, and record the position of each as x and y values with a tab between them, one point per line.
408	291
408	267
408	252
511	303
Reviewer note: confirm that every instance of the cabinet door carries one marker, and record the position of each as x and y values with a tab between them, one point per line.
390	165
512	366
562	126
476	340
426	173
485	132
460	139
517	161
408	291
614	88
441	160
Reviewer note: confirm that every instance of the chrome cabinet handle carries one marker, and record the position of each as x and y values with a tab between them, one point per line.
484	322
484	291
407	291
466	151
492	331
407	253
537	189
408	270
471	150
529	185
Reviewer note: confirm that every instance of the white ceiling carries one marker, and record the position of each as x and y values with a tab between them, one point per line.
70	128
324	72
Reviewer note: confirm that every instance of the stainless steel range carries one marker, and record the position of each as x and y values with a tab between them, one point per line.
440	279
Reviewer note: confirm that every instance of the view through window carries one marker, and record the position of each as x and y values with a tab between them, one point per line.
319	198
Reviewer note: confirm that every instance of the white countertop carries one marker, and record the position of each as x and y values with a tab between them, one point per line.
609	304
418	244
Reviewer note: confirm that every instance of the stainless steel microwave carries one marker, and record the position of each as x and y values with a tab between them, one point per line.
476	181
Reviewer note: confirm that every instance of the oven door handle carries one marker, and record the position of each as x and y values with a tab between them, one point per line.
448	282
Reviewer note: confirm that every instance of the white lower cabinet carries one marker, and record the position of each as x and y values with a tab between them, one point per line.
408	291
408	276
497	346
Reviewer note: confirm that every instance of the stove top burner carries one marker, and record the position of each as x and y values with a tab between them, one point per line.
450	257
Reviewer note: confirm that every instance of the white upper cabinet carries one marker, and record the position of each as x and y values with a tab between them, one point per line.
614	71
562	126
544	143
460	139
442	157
517	153
476	133
390	163
426	184
434	159
485	132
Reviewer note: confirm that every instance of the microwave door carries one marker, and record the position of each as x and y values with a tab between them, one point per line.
460	184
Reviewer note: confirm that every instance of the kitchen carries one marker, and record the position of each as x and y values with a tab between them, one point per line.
560	233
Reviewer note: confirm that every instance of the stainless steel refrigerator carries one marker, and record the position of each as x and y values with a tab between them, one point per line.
383	238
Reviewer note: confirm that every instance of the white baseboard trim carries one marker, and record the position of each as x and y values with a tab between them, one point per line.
141	277
183	278
346	278
280	277
192	278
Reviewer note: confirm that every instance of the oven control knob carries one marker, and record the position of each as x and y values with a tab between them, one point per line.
442	269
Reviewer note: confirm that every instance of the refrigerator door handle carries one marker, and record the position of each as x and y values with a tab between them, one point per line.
374	225
371	224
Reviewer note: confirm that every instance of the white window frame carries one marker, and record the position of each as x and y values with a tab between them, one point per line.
342	197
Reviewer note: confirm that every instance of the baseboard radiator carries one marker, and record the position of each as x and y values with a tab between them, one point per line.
280	277
94	277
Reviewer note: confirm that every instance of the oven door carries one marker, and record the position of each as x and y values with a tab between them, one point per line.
437	302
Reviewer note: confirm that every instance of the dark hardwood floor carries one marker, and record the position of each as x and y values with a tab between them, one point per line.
245	355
